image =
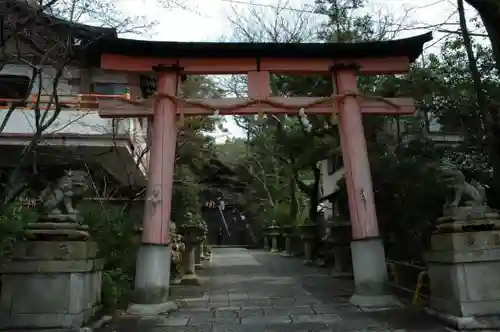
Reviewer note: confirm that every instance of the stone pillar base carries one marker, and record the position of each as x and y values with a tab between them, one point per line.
266	243
308	252
375	302
176	281
50	285
197	256
370	276
190	279
288	246
274	243
151	309
152	281
342	260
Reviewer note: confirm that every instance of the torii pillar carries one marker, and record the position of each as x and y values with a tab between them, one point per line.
152	279
367	248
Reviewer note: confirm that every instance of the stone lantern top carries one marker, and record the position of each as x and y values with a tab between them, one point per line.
194	230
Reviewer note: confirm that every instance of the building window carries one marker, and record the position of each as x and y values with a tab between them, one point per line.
147	85
330	165
74	85
109	88
433	123
333	164
14	87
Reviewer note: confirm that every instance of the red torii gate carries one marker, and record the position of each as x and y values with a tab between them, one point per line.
170	61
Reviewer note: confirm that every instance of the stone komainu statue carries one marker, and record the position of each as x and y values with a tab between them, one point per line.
57	200
474	193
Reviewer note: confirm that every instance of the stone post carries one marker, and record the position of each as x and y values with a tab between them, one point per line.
298	245
274	242
203	243
197	255
189	276
206	250
463	268
54	278
308	236
202	248
339	240
308	251
288	234
266	238
192	235
288	245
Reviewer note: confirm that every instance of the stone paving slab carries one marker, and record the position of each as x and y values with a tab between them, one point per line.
253	291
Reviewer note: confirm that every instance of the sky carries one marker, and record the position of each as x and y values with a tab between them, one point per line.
209	20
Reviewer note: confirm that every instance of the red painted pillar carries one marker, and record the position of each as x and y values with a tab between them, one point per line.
367	249
355	155
153	259
156	225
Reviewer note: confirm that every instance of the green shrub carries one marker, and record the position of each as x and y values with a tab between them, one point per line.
115	232
13	221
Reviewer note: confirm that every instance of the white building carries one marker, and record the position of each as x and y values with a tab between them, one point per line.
77	134
329	184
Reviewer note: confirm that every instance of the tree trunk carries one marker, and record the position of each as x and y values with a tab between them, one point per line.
489	11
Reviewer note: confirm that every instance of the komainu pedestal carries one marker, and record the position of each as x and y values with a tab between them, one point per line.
53	281
51	285
464	268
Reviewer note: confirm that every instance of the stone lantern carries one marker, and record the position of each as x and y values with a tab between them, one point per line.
274	232
308	235
192	233
198	251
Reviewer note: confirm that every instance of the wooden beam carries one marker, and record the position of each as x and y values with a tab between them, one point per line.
387	66
117	108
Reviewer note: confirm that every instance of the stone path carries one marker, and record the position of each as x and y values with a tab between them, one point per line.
258	291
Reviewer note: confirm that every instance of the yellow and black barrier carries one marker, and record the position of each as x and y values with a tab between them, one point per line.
409	278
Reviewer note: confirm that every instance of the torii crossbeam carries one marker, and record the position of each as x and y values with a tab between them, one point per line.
344	62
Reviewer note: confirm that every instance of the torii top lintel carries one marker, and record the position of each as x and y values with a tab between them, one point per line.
382	57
